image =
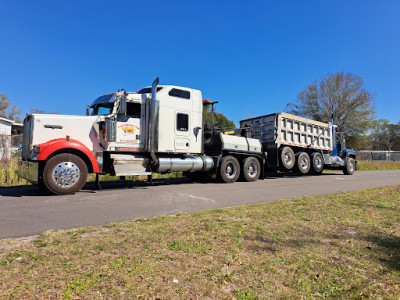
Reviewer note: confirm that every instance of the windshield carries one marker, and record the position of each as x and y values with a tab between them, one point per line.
102	109
103	105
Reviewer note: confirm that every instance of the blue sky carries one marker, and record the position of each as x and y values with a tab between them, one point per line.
251	56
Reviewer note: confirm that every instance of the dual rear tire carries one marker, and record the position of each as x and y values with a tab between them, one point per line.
310	165
303	163
230	169
317	163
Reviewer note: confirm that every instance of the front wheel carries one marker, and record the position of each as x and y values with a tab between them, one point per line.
349	167
65	174
229	169
251	169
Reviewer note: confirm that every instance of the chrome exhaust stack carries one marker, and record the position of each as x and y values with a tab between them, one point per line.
152	119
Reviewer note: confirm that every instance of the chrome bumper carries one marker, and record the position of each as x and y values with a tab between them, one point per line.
29	170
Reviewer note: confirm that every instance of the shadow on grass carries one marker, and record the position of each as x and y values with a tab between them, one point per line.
274	242
383	248
386	247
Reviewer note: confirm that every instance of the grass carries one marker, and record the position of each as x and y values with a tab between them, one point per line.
344	245
8	173
375	165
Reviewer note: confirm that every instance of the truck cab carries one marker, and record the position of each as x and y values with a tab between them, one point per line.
156	129
178	119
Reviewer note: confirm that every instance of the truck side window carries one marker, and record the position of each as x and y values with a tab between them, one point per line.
179	93
133	109
182	122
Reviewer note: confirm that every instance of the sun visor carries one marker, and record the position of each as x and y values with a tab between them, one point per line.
110	98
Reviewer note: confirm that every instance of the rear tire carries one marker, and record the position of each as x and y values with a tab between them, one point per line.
317	163
287	158
229	169
251	169
303	163
65	174
349	167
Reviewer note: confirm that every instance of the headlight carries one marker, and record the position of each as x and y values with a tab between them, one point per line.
36	149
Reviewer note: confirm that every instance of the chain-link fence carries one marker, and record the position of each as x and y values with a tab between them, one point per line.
378	155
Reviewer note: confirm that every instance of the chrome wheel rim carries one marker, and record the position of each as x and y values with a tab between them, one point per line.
351	166
252	170
288	158
318	163
66	174
304	163
230	170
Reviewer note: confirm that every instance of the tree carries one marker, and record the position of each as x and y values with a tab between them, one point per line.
342	96
8	110
225	122
385	136
39	111
395	134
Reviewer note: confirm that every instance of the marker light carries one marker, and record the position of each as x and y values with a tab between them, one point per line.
205	102
36	149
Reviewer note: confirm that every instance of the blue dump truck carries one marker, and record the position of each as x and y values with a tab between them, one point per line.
296	143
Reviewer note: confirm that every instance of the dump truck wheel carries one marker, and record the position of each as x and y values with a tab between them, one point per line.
287	158
317	163
229	169
349	167
65	174
303	163
251	169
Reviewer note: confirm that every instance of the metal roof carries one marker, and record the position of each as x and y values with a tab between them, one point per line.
12	122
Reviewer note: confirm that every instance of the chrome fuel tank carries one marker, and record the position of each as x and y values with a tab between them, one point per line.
188	163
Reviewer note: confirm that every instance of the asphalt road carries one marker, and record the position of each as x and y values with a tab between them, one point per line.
25	211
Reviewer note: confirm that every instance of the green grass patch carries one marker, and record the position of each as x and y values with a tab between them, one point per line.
8	173
377	165
344	245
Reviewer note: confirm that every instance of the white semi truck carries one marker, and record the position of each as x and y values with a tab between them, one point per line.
156	129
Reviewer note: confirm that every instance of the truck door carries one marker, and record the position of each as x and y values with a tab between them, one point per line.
128	129
182	130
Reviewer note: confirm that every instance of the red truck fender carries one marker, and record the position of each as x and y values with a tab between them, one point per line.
46	149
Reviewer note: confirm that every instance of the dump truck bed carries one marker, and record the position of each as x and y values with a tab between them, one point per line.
286	129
